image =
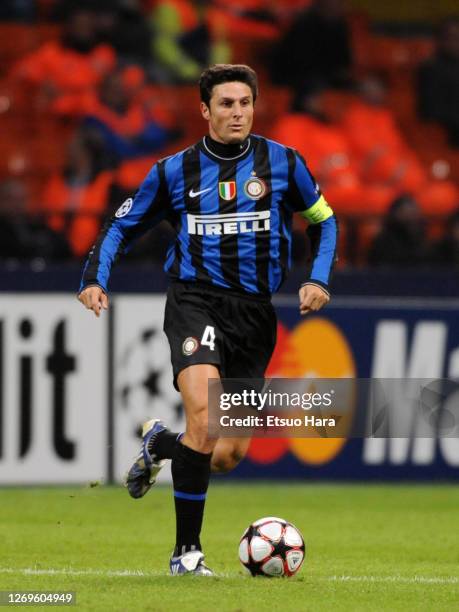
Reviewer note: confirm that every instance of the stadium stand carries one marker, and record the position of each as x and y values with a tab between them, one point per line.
43	105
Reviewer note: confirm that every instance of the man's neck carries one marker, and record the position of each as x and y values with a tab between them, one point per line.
223	150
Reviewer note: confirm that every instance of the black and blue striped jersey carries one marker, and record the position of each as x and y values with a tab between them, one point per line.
232	218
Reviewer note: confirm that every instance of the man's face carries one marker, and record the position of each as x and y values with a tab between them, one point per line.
230	112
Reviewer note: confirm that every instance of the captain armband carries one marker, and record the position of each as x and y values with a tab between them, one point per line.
318	212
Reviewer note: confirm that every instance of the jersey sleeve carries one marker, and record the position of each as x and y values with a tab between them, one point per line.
134	217
306	198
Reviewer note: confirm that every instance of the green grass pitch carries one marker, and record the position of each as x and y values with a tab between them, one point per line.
368	547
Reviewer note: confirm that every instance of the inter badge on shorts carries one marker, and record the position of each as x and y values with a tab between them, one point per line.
190	345
227	190
255	188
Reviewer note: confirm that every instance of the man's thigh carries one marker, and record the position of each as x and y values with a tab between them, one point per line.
193	335
250	338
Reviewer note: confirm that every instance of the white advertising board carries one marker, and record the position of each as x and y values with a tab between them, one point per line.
143	386
53	384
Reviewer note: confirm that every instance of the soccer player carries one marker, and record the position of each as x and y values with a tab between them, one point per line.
230	198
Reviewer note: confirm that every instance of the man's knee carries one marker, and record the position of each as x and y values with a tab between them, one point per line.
197	431
224	462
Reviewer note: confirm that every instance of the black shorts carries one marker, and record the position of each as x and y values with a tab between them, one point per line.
210	325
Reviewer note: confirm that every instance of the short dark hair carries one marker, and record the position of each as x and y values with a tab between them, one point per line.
226	73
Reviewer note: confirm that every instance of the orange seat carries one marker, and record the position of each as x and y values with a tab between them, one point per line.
438	197
47	31
32	156
335	103
270	106
402	101
395	54
131	173
13	98
188	115
16	40
81	224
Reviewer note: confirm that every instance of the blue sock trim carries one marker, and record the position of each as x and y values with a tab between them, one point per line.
190	496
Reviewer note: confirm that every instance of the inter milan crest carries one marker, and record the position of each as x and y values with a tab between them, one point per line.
255	188
227	190
189	346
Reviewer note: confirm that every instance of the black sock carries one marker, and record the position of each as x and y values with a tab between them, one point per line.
190	475
165	444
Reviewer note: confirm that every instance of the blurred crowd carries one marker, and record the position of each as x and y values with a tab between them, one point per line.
92	93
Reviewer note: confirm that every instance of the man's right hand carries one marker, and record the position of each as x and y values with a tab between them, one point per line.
95	299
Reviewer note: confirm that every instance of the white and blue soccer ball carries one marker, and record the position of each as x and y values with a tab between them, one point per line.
271	547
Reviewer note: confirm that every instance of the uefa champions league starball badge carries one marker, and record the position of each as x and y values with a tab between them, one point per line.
124	208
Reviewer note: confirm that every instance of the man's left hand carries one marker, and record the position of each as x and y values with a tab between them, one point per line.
312	298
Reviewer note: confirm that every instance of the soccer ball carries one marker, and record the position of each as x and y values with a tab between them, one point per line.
271	547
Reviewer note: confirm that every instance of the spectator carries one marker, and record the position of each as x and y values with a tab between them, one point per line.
123	26
316	50
183	44
76	200
445	252
377	143
438	82
328	153
402	240
74	64
22	236
256	19
128	121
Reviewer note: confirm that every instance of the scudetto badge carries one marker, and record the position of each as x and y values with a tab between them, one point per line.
227	190
190	345
255	188
124	208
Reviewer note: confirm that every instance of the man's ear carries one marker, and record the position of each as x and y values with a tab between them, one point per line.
205	111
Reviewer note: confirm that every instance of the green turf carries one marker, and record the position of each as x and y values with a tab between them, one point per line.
368	547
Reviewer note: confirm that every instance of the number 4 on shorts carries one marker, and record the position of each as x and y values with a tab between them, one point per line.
208	337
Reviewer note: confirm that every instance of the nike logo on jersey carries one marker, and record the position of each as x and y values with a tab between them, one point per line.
233	223
194	194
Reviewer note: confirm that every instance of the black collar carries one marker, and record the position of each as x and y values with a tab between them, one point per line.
226	151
